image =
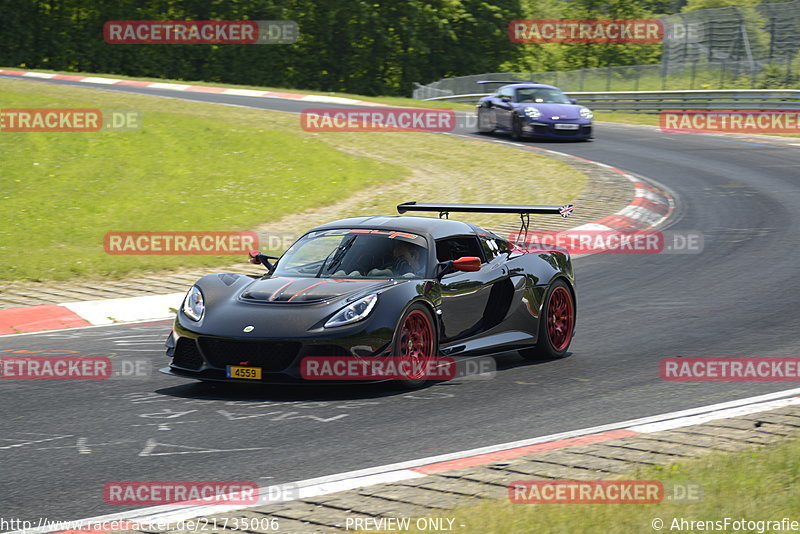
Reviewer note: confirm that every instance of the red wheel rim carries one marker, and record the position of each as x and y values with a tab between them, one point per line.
416	343
559	318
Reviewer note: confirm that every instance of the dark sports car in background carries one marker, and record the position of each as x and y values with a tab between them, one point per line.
402	286
534	110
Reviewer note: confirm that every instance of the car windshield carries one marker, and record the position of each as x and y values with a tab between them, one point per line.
356	253
542	95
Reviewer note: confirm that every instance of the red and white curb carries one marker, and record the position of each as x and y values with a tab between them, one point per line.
650	208
423	467
96	80
49	317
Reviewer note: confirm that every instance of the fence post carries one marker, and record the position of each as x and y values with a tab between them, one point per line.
694	72
722	75
583	74
636	77
771	37
710	40
608	78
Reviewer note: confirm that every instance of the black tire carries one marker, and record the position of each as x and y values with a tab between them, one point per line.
516	128
419	314
550	343
483	117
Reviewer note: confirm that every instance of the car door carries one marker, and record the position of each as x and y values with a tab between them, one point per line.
504	107
465	295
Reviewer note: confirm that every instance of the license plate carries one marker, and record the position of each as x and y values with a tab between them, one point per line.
249	373
567	126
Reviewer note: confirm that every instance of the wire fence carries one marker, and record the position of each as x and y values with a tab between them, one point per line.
742	74
754	47
763	32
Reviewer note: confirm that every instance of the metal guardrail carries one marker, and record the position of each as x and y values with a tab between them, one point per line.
655	101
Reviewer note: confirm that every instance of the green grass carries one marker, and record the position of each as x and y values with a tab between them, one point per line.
205	167
761	484
60	192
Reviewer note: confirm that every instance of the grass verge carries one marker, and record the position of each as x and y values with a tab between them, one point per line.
206	167
759	485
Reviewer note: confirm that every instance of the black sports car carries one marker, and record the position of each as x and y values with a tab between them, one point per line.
409	287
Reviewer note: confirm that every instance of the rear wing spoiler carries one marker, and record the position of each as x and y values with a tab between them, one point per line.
500	81
520	209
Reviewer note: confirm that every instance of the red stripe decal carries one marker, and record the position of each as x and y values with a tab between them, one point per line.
522	451
39	318
275	295
306	289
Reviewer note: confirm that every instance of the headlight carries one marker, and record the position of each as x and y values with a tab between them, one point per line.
193	305
354	312
533	113
586	113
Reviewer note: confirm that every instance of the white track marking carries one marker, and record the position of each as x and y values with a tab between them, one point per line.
402	470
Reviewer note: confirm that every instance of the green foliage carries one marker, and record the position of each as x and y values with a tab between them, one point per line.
371	47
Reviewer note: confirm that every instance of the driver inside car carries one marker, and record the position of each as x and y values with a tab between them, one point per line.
407	262
407	259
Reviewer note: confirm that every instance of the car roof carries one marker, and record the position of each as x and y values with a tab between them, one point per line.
426	226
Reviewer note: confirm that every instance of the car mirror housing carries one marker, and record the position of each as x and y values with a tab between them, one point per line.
505	98
573	101
257	258
467	264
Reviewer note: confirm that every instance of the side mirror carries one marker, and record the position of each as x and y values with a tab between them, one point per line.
505	98
573	101
256	257
467	264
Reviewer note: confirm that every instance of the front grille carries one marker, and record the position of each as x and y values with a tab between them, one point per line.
186	355
327	350
566	132
269	355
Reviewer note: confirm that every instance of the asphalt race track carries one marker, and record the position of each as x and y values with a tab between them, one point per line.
62	441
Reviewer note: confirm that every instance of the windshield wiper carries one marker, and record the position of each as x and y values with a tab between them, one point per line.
338	254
